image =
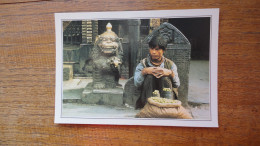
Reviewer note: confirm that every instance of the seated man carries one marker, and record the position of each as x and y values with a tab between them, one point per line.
155	72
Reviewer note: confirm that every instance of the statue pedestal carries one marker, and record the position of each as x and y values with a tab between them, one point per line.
113	96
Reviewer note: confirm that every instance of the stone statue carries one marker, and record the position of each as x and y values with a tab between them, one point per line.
107	55
107	58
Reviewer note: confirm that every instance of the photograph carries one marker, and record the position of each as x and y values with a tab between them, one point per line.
155	68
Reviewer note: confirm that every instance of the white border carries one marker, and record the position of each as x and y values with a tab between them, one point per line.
213	13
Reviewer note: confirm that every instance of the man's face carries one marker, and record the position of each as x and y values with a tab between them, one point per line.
156	53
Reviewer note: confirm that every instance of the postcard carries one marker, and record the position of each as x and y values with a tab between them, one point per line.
156	68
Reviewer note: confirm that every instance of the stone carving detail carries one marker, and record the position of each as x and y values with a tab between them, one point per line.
107	58
170	33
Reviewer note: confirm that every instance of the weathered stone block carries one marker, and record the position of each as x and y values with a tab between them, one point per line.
112	97
131	93
67	72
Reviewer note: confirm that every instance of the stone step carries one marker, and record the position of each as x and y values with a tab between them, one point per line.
72	96
113	96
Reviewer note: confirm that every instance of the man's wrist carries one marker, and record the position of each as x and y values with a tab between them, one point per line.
171	73
144	72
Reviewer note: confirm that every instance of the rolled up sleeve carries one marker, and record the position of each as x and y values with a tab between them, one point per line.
138	77
175	79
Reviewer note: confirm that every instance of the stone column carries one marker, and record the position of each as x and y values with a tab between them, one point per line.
94	30
134	38
84	32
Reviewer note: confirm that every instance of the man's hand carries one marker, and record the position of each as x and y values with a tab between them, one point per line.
158	72
148	70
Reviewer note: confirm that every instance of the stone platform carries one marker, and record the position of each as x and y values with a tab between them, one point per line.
113	96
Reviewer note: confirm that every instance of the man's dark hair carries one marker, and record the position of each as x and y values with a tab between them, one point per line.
158	41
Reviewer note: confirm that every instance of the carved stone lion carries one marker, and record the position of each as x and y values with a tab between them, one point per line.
107	56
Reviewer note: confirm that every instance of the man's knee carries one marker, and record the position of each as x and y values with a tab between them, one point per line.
166	80
148	79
